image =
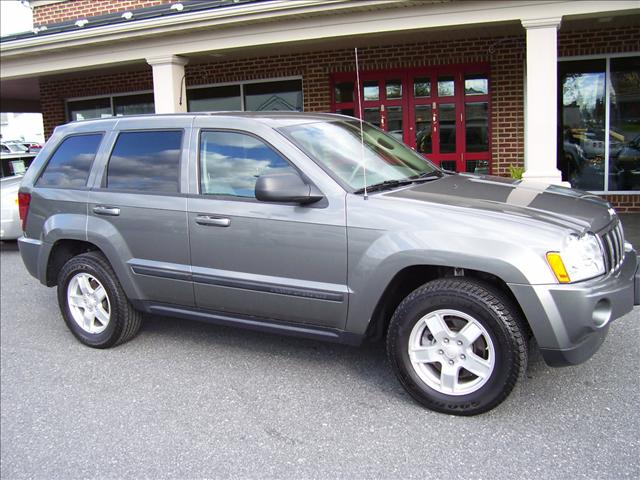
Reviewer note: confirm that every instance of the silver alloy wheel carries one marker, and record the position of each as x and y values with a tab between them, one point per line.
451	352
89	303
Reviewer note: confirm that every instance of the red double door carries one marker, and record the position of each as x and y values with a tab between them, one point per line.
443	113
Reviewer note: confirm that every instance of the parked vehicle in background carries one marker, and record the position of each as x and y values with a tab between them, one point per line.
324	227
10	228
14	160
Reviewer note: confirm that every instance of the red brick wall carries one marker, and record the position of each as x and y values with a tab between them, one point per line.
74	9
505	55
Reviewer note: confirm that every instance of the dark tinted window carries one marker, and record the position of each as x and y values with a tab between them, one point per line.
215	98
133	104
282	95
70	164
86	109
230	163
146	161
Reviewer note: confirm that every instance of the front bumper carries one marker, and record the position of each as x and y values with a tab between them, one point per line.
571	321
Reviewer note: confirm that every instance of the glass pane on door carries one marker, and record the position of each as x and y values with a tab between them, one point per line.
372	115
394	89
446	86
394	122
421	87
371	91
447	128
476	85
344	92
477	126
424	141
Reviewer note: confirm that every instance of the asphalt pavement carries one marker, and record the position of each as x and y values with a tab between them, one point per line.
189	400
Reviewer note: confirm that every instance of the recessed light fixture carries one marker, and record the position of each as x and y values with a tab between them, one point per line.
177	6
127	15
81	23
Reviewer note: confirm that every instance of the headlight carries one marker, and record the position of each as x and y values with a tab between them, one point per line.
580	258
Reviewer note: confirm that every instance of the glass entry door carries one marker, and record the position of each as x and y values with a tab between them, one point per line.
441	113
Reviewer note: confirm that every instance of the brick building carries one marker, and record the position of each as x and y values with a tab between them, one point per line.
481	86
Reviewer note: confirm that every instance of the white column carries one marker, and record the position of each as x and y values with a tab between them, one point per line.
541	110
169	91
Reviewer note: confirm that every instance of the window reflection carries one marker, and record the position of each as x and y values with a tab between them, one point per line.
232	162
624	131
477	126
424	139
447	128
394	122
371	91
582	123
146	161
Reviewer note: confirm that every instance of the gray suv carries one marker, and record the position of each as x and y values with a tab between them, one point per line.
322	227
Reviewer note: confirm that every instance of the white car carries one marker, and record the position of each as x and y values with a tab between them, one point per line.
10	227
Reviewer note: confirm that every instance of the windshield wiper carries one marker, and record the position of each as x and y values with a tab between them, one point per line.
426	176
388	184
375	187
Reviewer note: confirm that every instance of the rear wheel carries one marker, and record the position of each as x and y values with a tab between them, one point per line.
93	304
457	346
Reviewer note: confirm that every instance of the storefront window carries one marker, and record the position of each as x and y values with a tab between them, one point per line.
224	98
282	95
599	141
582	114
104	107
133	104
86	109
624	130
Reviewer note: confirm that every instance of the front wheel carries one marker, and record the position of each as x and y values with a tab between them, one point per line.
457	346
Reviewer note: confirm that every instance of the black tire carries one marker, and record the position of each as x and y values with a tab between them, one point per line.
489	308
124	321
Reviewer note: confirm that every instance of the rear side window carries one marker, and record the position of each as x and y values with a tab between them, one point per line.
146	161
69	166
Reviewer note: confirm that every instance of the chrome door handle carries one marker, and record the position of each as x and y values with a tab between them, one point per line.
104	210
213	221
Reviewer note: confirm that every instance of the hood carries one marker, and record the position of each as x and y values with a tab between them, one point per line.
561	206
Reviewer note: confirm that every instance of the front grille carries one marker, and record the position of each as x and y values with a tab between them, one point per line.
613	246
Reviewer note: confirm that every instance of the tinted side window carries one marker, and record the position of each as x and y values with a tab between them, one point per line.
70	164
231	162
146	161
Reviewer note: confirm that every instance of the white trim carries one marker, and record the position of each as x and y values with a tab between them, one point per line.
541	22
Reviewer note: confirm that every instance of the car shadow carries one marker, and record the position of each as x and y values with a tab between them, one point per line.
368	360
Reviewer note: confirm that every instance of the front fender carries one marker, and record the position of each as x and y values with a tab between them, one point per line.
383	254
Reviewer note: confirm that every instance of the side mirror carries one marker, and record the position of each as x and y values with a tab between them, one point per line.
285	187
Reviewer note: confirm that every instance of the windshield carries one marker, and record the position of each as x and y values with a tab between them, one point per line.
336	146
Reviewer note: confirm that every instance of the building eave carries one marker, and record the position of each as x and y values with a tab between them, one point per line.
276	22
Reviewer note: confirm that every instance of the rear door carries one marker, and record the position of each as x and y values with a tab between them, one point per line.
138	203
278	261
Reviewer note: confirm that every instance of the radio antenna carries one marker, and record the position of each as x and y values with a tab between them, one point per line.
360	111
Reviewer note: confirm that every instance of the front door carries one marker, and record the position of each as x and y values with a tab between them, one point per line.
279	261
442	112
